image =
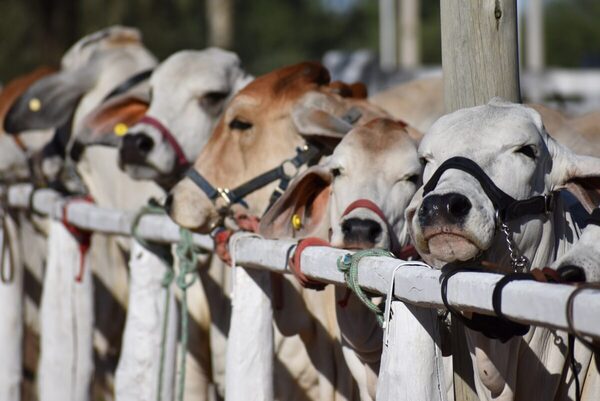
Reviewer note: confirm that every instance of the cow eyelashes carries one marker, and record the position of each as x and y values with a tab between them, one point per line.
213	101
413	178
527	150
236	124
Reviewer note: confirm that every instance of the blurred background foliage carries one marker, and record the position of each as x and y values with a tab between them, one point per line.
268	33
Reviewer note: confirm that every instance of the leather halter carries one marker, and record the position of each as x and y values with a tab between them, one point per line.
507	207
181	159
236	195
128	84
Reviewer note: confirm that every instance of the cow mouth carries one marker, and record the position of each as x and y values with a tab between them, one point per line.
451	244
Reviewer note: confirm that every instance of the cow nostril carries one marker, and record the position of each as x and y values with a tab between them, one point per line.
168	203
361	230
144	143
458	205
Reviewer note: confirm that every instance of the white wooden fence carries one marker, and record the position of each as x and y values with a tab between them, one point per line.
526	302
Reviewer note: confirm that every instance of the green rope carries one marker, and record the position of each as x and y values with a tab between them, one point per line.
348	264
187	275
164	254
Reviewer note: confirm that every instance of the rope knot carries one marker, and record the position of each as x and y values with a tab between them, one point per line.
348	264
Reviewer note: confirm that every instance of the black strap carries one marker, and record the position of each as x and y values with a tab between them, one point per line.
508	207
594	217
237	194
490	326
128	84
516	329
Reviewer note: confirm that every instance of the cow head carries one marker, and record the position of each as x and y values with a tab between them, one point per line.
456	220
189	91
262	127
376	162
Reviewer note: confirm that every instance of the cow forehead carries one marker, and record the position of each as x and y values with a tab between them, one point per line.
480	130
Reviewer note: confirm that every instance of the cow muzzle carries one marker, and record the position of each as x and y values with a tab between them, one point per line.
135	148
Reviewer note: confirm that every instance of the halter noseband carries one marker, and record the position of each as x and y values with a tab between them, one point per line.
181	160
236	195
507	207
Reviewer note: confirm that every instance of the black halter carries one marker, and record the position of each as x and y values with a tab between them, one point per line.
507	207
303	156
129	83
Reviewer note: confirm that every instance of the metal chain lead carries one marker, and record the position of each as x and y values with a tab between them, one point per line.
518	262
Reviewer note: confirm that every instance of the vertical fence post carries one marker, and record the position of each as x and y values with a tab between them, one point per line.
534	48
66	321
480	60
220	23
249	360
409	33
388	35
140	363
411	363
11	314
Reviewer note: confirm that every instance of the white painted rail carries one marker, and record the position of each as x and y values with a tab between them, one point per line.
526	301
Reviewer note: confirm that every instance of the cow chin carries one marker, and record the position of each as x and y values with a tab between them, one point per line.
448	247
138	172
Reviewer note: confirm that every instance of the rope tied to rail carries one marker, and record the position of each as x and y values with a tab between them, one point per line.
188	260
348	264
163	252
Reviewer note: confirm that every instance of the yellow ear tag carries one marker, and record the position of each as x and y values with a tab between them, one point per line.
35	104
120	129
296	222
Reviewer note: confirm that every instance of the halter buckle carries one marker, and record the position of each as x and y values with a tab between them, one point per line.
549	203
295	169
224	194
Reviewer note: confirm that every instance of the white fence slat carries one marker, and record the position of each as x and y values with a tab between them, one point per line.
138	370
412	366
11	315
249	360
67	321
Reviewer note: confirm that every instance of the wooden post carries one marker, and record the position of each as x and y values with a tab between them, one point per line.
480	60
409	33
388	34
480	55
220	23
535	36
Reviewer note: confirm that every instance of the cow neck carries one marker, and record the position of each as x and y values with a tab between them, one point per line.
284	173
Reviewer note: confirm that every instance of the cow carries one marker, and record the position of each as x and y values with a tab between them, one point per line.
90	71
377	162
161	133
262	127
478	161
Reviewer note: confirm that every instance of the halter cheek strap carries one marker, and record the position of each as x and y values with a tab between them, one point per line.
167	136
508	208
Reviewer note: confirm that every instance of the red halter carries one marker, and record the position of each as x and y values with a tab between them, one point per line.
406	252
167	136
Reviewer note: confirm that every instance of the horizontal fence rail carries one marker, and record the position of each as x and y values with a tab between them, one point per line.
527	302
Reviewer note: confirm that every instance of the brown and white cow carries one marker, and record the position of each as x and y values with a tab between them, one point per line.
457	220
375	162
263	125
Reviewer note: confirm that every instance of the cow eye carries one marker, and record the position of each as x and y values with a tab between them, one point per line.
527	150
414	178
336	172
236	124
423	161
213	101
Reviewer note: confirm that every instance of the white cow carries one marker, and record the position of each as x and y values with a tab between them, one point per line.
375	162
189	92
457	220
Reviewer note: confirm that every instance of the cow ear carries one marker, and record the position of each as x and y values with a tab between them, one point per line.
15	88
579	174
303	210
49	102
111	120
